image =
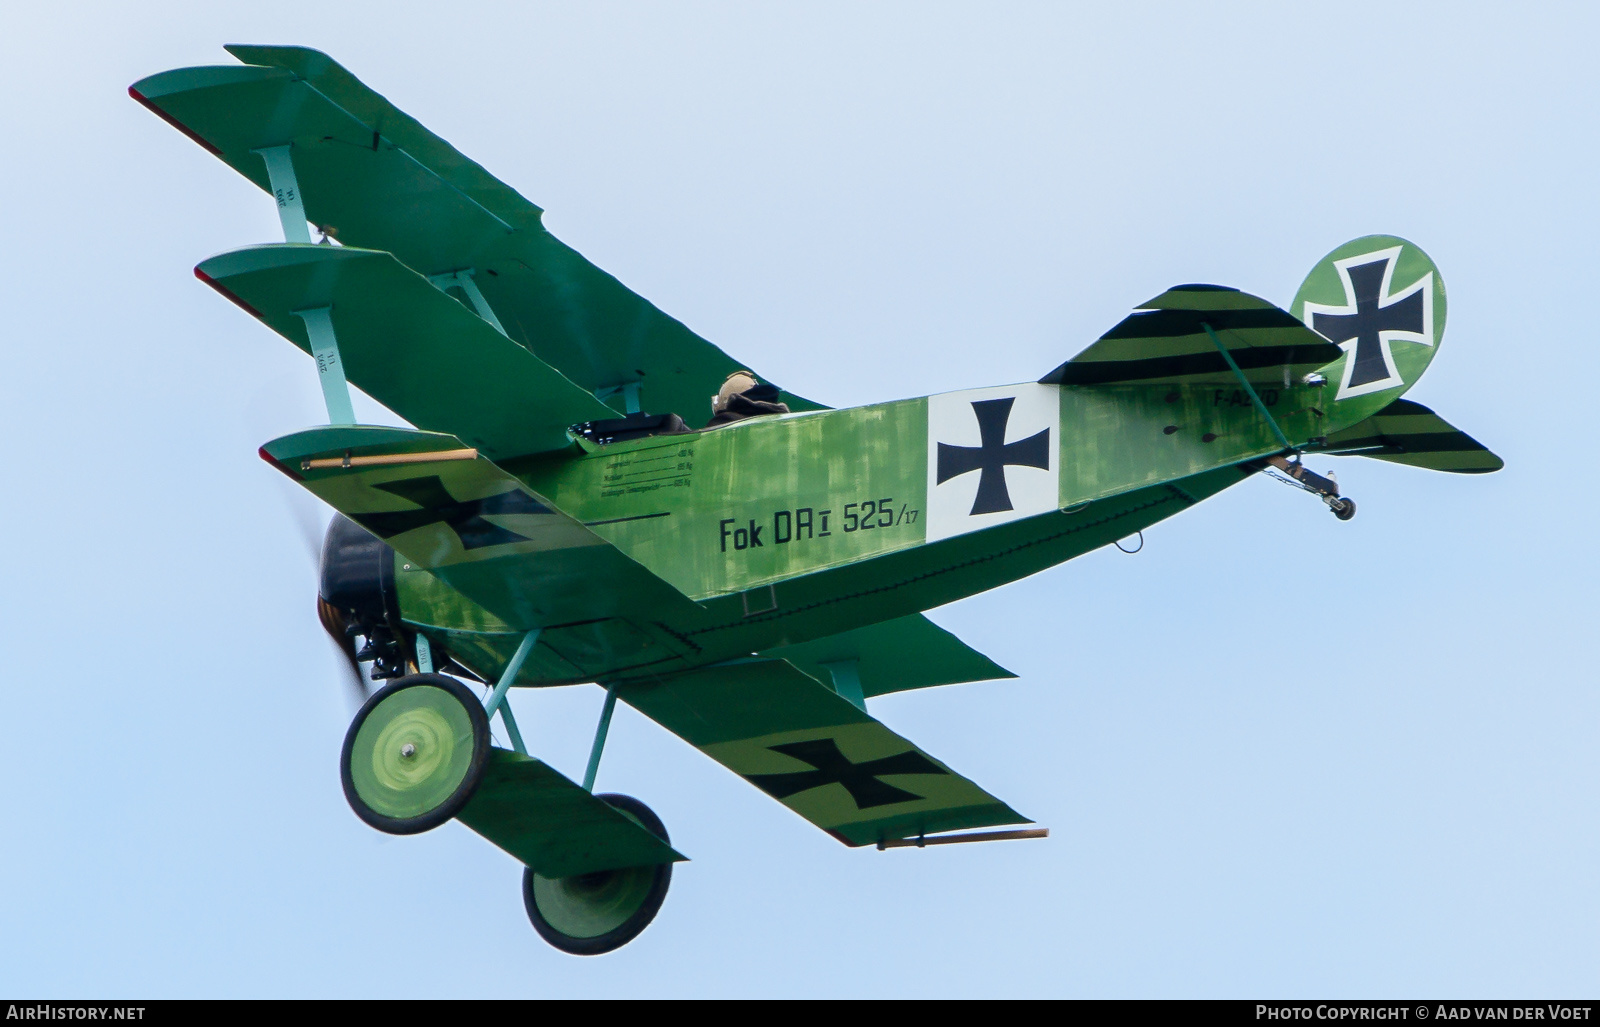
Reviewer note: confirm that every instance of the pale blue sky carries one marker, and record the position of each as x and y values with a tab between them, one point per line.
1279	755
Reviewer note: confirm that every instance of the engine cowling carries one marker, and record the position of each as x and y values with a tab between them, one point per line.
357	598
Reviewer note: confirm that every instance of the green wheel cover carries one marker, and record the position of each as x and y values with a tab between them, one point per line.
590	905
590	914
400	782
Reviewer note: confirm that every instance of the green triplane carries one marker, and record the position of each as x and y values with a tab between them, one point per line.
748	586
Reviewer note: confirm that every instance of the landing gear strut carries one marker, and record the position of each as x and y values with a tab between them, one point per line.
1325	488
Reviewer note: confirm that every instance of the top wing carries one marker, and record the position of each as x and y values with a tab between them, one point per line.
815	752
1409	433
893	656
371	176
1165	340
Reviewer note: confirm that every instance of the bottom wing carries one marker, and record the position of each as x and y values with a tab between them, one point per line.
1409	433
480	530
815	752
894	656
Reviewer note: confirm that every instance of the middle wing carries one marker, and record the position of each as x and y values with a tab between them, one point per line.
408	345
815	752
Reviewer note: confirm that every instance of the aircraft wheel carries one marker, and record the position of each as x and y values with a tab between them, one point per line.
1345	509
415	753
591	914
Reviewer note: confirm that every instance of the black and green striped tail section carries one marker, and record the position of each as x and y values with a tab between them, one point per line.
1409	433
1165	340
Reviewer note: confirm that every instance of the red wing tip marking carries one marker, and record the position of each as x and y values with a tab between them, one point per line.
241	304
279	464
174	122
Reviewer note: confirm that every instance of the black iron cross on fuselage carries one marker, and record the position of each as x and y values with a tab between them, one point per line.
1369	319
833	767
464	518
992	455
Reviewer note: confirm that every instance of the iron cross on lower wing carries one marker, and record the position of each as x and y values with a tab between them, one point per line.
465	518
861	780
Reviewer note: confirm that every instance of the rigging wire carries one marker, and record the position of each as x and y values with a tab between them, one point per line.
1130	552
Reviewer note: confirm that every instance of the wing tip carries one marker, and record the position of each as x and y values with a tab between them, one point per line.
240	50
151	106
199	273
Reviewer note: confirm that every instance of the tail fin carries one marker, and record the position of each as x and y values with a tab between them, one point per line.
1409	433
1381	300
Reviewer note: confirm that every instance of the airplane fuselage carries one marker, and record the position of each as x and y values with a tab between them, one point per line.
798	526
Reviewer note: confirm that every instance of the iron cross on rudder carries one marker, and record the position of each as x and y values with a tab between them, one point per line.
1373	314
992	455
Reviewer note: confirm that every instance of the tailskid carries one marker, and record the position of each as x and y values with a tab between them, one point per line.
1325	487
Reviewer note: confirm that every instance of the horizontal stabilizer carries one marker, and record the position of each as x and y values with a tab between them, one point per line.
371	176
1165	340
814	751
408	345
452	513
552	825
894	656
1409	433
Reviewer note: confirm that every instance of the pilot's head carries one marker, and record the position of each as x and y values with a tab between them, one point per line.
738	381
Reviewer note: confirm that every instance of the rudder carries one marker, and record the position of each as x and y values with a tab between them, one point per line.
1382	300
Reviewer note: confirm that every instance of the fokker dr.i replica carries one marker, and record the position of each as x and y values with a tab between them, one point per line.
551	520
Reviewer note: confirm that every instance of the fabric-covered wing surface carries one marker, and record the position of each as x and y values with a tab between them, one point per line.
408	345
371	176
1165	340
894	656
815	752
